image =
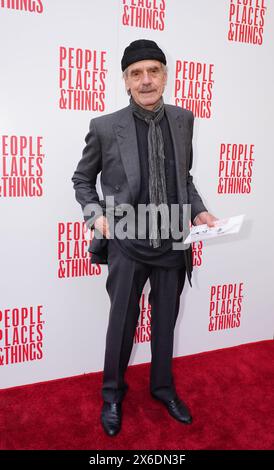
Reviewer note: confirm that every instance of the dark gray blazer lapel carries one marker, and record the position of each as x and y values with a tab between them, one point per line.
127	141
177	129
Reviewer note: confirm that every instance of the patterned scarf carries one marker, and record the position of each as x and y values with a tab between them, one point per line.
156	161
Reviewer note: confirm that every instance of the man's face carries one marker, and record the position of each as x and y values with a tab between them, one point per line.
146	81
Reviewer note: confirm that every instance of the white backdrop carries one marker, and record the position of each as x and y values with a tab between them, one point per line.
52	326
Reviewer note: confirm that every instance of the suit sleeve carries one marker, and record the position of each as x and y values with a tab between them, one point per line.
85	177
194	198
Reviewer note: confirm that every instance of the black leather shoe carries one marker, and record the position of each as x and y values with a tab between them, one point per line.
111	417
177	409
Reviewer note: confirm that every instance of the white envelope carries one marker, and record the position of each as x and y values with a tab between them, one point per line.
222	227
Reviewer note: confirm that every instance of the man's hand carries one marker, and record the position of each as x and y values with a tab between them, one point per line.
102	225
205	218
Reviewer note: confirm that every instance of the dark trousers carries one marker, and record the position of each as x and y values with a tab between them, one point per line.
125	282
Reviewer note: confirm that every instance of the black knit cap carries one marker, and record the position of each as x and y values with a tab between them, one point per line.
142	49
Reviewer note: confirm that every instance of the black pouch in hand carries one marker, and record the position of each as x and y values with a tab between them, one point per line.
99	246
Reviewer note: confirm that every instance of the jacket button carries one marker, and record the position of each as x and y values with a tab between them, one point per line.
117	187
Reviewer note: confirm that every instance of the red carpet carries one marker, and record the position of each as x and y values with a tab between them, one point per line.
229	392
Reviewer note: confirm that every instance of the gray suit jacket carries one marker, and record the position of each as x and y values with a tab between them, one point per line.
111	148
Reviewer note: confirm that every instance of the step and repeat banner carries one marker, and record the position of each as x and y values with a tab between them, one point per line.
60	67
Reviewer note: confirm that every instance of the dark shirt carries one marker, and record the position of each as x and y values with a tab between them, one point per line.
140	249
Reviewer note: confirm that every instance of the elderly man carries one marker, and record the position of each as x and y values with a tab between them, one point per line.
144	154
